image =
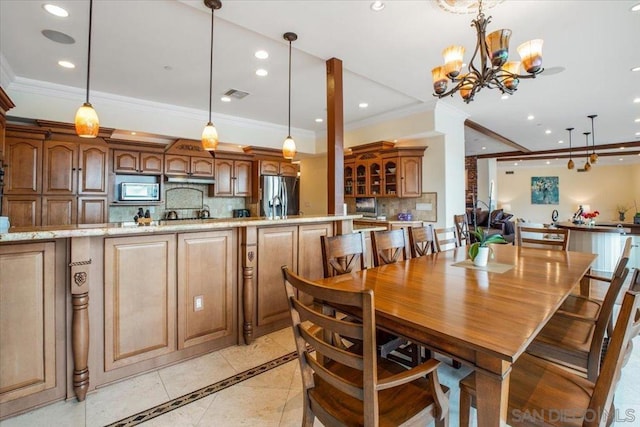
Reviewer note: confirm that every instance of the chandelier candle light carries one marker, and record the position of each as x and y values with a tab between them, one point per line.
210	133
289	145
494	71
86	120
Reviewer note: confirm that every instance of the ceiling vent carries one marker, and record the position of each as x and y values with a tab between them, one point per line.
235	93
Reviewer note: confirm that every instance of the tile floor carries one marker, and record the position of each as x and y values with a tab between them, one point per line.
269	399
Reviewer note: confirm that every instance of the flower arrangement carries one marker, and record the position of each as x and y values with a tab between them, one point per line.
590	215
622	208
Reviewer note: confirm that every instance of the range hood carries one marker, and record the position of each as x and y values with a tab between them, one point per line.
190	180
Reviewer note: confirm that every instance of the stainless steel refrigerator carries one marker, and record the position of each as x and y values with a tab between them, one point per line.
280	196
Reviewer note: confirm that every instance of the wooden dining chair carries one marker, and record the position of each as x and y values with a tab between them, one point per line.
541	393
445	239
421	241
462	229
577	342
343	387
343	253
547	238
589	308
388	246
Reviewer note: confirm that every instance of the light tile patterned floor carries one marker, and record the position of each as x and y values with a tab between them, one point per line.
269	399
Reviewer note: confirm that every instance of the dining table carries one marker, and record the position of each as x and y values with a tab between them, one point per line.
484	317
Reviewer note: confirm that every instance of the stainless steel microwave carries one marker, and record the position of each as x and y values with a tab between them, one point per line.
139	191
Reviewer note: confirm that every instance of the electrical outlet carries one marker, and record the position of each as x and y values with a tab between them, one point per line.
424	207
198	303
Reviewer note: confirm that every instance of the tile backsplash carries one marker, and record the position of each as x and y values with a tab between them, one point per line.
392	206
186	200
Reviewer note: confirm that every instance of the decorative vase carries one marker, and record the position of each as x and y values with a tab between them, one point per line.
482	257
621	216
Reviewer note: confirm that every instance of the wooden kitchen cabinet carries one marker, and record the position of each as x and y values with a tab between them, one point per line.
74	182
277	246
274	167
32	324
23	211
179	165
5	105
381	170
233	178
137	162
23	164
139	299
206	279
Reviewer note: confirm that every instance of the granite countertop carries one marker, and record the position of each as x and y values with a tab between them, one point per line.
17	234
600	227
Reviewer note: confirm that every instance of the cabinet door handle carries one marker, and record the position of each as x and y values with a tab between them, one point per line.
73	169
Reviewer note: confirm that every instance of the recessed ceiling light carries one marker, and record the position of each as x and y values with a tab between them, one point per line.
637	120
133	133
484	148
530	117
635	69
363	105
66	64
637	133
635	7
636	101
58	37
261	54
56	10
225	99
548	162
319	120
505	96
621	159
377	6
561	142
548	131
261	72
622	148
395	140
515	164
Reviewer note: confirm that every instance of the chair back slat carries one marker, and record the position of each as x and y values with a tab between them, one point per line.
388	246
607	381
624	257
342	254
462	229
421	241
445	239
315	332
557	238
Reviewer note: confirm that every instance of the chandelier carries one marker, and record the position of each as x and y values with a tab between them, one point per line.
494	71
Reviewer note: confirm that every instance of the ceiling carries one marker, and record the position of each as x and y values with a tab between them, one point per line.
159	51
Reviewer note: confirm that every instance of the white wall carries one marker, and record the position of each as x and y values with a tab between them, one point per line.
602	188
313	185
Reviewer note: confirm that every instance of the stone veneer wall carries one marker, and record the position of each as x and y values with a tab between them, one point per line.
219	207
471	168
392	206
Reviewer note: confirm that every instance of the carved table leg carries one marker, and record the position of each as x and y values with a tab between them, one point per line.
80	331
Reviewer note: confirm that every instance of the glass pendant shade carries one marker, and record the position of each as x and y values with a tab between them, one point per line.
570	164
439	80
86	121
453	60
587	166
466	89
289	148
531	55
593	158
498	44
512	67
210	137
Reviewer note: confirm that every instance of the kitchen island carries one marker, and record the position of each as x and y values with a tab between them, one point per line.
82	306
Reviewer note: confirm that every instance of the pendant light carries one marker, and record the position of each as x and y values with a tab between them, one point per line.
593	157
210	134
86	121
570	164
587	165
289	145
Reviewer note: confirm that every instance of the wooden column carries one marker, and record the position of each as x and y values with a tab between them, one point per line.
335	137
249	236
80	278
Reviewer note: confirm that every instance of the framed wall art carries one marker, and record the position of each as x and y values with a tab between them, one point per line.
545	190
